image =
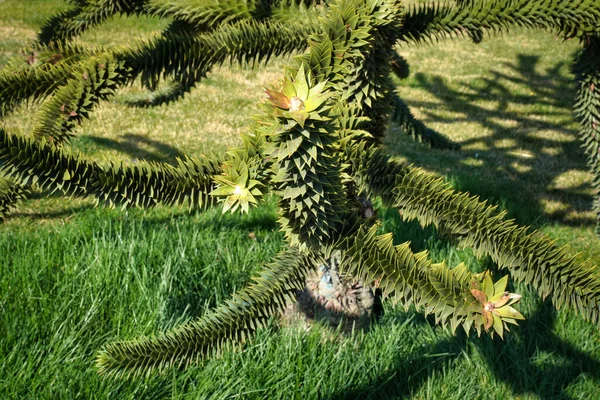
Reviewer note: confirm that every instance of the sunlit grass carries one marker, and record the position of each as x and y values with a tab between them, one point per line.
74	276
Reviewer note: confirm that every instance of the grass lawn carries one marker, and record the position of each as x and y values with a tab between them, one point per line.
74	276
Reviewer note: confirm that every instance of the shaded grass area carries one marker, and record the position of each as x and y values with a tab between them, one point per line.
74	277
68	289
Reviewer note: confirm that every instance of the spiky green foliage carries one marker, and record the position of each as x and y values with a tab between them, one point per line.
95	81
529	256
83	15
452	295
30	83
200	16
353	53
142	184
307	171
184	56
587	108
435	21
316	144
179	53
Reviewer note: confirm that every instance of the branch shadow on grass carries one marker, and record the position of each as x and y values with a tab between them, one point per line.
528	156
518	362
139	147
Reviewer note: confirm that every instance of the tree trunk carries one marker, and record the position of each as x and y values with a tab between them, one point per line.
333	299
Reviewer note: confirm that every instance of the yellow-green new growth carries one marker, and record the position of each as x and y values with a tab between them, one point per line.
240	191
298	100
496	304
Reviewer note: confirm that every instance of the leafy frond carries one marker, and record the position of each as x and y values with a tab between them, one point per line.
450	294
587	109
142	184
233	322
435	21
84	15
95	81
530	257
417	129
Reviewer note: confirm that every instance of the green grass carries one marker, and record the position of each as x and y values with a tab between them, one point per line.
74	277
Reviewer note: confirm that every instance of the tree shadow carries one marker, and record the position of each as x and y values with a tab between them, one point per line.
523	365
529	150
139	147
518	361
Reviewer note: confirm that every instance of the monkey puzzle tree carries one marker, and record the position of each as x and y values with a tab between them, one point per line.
316	143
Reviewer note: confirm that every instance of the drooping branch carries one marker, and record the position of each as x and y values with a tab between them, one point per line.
587	109
413	279
530	257
143	184
436	21
231	323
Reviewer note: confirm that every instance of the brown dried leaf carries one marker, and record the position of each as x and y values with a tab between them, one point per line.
278	99
479	295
